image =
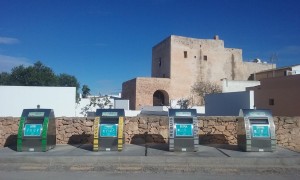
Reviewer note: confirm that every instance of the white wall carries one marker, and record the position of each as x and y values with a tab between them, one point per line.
228	104
121	104
237	86
296	69
13	99
132	113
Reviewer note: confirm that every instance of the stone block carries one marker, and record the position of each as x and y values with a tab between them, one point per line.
76	120
14	127
7	122
164	122
207	130
78	127
142	121
70	130
153	119
211	123
76	124
154	131
66	122
295	131
59	136
226	133
201	132
200	123
205	124
230	127
61	128
220	128
133	127
282	131
87	129
289	121
289	126
143	126
132	119
154	124
89	123
164	133
298	123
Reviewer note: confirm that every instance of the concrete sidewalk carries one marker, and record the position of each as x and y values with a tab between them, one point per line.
152	158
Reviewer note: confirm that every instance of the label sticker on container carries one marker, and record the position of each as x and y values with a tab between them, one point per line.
260	131
108	130
109	113
184	130
32	129
183	114
36	114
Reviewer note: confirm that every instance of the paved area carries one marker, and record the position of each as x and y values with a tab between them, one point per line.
73	175
212	150
150	157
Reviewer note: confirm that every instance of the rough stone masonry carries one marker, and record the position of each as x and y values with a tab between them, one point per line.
155	129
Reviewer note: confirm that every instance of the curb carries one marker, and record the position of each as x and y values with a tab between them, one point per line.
149	164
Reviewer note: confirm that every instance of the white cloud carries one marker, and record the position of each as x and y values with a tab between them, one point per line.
8	62
292	50
7	40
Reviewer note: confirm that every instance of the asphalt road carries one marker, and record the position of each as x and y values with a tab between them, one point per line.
69	175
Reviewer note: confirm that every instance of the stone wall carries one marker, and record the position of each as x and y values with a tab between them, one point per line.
154	129
8	131
288	132
140	91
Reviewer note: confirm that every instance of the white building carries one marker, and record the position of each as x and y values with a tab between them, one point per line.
237	86
16	98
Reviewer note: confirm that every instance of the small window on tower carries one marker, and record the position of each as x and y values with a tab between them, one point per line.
205	58
159	62
271	102
185	54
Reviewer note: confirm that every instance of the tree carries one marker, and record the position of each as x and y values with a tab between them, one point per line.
99	102
85	91
205	87
184	103
4	78
66	80
38	75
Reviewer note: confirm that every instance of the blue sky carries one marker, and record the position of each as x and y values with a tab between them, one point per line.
106	42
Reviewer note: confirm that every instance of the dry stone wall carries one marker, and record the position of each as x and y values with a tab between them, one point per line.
217	130
74	130
8	131
154	129
288	132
